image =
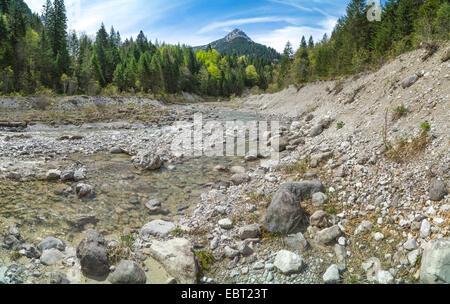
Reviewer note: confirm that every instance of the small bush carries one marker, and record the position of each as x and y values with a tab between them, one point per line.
399	112
298	167
425	127
205	259
406	148
340	125
41	103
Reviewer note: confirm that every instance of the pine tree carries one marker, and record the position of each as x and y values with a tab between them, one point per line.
310	42
286	60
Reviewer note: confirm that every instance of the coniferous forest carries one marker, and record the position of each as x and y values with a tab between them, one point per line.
39	55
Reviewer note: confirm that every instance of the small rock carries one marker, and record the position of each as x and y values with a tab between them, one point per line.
116	150
378	236
319	199
51	256
319	219
225	224
331	275
67	175
240	178
288	262
296	242
328	235
56	277
84	190
425	229
53	175
410	244
438	190
158	228
128	272
51	242
249	232
153	205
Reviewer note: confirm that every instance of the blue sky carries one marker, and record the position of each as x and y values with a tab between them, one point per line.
198	22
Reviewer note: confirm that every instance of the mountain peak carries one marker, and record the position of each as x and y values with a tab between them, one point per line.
236	33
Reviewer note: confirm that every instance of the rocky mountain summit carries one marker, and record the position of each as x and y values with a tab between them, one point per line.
237	33
239	43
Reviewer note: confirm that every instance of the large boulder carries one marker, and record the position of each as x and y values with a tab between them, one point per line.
285	213
435	267
177	258
93	256
147	160
128	272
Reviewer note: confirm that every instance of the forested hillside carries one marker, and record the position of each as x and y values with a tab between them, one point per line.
357	44
37	54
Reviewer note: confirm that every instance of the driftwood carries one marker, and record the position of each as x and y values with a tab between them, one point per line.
13	124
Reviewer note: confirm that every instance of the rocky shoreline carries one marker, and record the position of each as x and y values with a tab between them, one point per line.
335	210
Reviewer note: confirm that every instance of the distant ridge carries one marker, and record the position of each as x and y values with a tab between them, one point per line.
239	43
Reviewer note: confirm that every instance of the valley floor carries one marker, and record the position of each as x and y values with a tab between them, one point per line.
379	213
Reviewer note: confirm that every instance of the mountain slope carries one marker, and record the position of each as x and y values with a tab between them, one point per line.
237	42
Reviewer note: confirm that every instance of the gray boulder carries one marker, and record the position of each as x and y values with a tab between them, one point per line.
409	81
84	190
53	175
147	160
438	190
158	228
319	219
328	235
79	175
240	178
153	205
319	199
249	232
93	255
67	175
331	275
288	262
296	242
285	213
316	131
128	272
51	256
51	242
435	267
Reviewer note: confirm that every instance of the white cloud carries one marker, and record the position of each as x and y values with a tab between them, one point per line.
237	22
125	15
278	38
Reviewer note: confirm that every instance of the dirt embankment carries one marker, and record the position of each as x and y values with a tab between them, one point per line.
361	101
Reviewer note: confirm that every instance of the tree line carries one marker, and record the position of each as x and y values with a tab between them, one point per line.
38	55
356	44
